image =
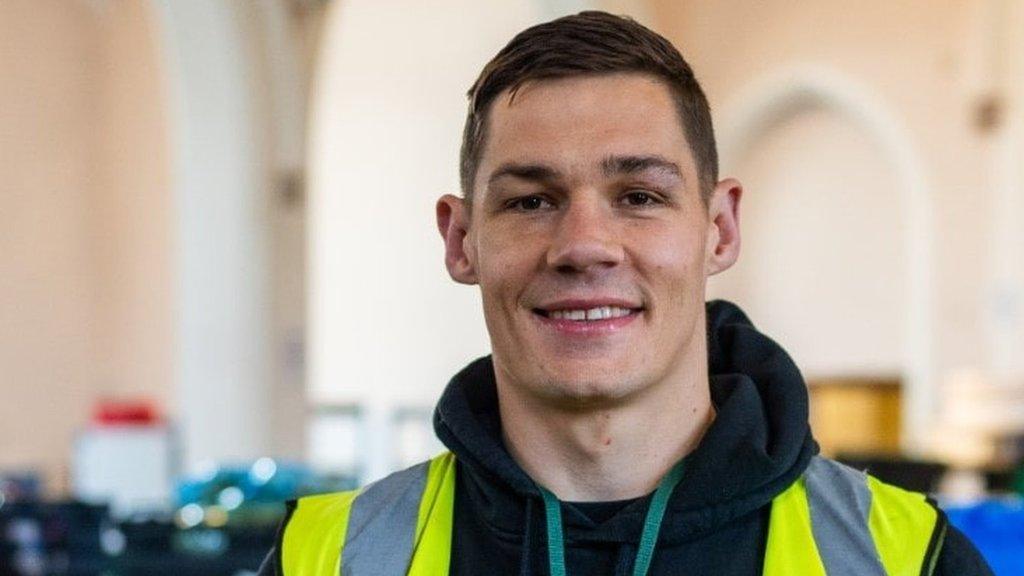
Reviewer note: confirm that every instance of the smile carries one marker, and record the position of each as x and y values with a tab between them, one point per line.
587	322
587	315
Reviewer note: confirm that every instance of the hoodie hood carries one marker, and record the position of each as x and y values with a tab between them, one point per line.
759	443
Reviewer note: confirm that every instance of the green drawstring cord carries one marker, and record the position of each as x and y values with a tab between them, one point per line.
648	538
652	522
556	548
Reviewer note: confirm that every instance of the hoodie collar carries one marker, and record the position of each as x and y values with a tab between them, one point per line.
759	443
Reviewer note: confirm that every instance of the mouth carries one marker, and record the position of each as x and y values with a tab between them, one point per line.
587	319
592	314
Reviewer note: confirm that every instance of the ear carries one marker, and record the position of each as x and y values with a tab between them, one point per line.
453	223
723	242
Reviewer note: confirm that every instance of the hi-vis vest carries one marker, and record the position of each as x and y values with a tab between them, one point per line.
833	521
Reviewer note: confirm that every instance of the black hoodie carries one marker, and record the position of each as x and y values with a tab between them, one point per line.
717	518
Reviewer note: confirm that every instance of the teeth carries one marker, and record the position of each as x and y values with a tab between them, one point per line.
599	313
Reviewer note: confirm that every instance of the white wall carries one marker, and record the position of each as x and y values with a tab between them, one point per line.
221	188
85	223
142	254
1005	311
823	262
239	81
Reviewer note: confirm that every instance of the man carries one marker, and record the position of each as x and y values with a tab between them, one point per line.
621	426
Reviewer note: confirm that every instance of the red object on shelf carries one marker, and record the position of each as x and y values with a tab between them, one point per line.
112	413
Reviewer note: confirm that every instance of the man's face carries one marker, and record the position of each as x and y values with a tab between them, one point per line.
588	239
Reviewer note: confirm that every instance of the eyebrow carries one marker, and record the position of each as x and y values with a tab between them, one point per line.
610	166
621	165
532	172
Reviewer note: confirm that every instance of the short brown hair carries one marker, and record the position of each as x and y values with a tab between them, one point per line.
589	43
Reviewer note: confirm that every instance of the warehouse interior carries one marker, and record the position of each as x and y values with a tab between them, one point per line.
217	234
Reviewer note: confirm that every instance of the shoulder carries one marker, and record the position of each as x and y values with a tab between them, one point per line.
959	557
317	522
828	477
395	486
889	510
320	511
904	527
313	522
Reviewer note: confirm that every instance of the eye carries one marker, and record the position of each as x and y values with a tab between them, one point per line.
528	203
639	198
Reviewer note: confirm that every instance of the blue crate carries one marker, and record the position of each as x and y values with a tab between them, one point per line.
997	528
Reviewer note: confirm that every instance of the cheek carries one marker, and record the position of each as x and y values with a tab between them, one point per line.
675	265
673	253
514	243
504	265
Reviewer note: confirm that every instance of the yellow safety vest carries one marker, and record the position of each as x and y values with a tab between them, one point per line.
833	521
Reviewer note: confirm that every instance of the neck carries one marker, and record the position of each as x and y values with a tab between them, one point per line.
606	451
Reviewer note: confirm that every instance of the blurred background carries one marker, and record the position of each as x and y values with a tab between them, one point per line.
221	284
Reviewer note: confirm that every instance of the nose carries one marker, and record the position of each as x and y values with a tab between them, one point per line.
585	240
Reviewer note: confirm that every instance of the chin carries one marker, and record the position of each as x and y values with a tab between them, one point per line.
589	387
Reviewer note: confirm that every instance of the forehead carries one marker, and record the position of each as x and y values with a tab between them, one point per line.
572	124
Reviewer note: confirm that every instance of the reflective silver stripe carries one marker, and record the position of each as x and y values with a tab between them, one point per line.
382	525
840	501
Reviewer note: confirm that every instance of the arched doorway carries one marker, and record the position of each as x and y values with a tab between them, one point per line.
846	217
